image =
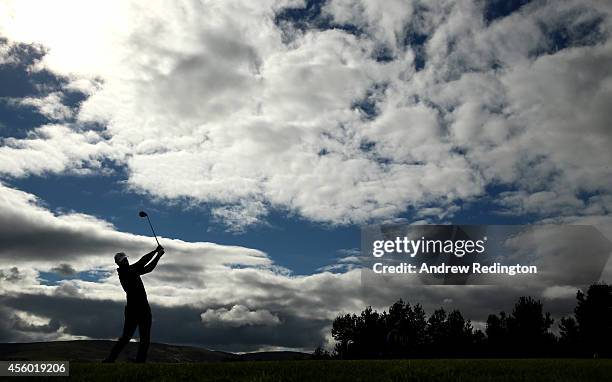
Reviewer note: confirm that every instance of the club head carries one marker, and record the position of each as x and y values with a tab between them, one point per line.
142	214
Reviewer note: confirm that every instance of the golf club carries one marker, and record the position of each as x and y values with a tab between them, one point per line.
143	214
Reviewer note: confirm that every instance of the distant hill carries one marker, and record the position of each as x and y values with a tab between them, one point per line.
96	350
274	356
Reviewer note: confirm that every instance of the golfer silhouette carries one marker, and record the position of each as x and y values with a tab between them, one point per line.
137	310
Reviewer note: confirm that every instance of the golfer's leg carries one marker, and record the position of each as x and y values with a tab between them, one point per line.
144	330
129	326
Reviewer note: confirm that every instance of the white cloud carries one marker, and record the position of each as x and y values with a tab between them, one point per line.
237	218
224	112
31	234
51	106
384	21
53	149
238	315
556	292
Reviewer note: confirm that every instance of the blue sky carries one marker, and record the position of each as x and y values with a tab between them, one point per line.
299	245
294	243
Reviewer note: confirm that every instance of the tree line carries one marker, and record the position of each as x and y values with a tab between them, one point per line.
406	331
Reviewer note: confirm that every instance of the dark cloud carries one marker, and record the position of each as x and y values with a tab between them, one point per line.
179	325
11	275
83	316
64	270
31	239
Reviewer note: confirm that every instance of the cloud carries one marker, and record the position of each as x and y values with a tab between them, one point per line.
51	106
64	270
350	259
11	275
53	149
557	292
228	113
239	217
238	315
30	232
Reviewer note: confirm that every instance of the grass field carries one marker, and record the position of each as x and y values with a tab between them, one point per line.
454	370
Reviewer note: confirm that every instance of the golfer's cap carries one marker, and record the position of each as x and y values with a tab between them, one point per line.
119	257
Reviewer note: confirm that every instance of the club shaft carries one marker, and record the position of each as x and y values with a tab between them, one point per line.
154	234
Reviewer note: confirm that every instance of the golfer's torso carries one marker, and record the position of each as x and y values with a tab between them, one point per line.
133	287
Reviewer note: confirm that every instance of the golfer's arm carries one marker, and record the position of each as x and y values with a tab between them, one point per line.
144	260
149	267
